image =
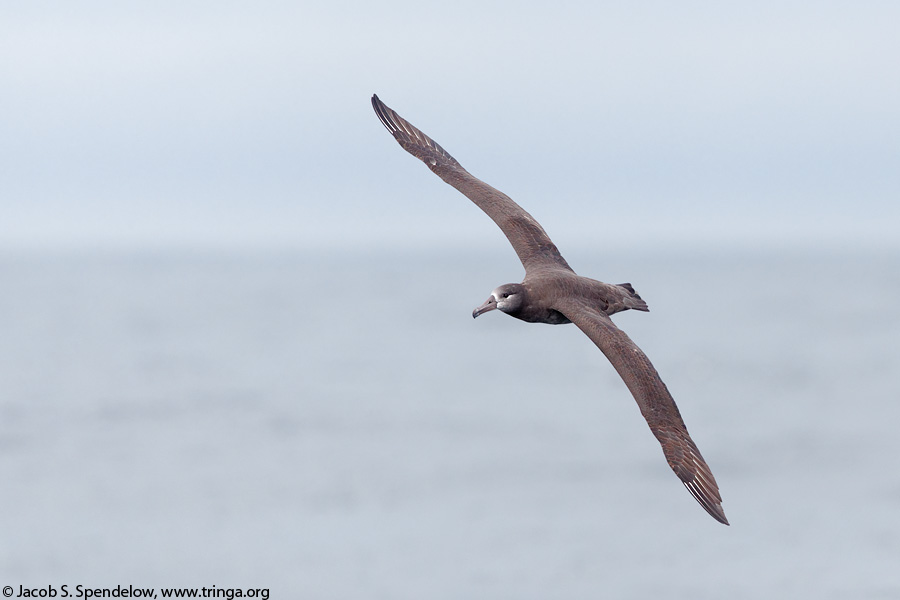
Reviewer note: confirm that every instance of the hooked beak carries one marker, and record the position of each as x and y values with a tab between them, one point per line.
490	304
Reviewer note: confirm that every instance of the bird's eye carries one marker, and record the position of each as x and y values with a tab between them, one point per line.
506	294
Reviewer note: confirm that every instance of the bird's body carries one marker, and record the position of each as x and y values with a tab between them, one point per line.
553	293
542	292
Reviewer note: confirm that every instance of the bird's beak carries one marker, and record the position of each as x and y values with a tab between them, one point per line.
490	304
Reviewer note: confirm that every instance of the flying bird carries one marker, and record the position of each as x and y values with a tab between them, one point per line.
552	293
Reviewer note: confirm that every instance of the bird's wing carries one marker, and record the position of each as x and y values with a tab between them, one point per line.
654	400
528	238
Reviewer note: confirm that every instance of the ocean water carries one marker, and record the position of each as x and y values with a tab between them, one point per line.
337	426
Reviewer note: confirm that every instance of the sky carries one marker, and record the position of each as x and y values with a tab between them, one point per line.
200	123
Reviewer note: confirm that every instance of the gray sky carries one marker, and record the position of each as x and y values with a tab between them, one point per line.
250	123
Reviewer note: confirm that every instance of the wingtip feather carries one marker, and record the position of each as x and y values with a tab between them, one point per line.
411	138
706	500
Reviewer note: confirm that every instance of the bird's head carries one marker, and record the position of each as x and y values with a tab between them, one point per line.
509	298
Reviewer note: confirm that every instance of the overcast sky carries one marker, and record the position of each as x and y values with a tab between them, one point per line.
250	123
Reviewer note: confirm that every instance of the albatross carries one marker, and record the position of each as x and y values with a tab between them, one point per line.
552	293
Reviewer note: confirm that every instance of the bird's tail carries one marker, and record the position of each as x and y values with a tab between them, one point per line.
632	300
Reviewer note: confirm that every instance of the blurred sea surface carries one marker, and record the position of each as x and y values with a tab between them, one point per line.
336	425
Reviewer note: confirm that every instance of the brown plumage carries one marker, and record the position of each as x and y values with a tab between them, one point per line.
552	293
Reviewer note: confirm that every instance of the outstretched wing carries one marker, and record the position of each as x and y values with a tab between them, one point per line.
654	400
528	238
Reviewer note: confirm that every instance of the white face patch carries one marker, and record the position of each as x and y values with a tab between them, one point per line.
502	298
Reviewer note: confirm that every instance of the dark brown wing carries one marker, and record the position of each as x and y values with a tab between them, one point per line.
528	238
654	400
